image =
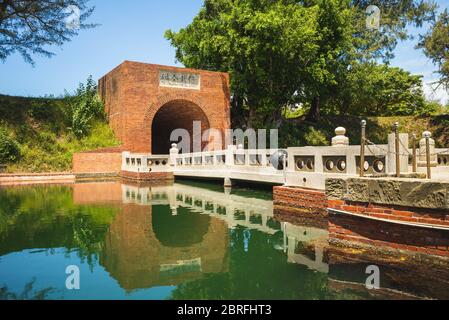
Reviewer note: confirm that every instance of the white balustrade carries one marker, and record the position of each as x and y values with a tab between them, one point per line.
306	166
144	163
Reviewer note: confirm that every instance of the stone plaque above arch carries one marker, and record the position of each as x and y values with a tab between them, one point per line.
134	93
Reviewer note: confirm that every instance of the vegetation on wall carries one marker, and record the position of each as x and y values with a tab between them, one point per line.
84	107
42	134
9	148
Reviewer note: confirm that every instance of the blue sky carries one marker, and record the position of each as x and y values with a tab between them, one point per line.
134	30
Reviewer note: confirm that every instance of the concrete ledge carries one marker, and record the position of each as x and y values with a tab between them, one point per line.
79	177
26	178
401	192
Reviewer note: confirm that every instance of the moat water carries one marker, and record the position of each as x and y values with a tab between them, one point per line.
183	241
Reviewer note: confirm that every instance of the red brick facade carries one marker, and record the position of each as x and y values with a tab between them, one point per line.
384	234
309	207
134	99
97	162
397	213
301	206
148	176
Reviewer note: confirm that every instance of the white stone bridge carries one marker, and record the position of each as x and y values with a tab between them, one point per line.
306	166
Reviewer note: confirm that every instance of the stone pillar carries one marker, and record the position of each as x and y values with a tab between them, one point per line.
340	139
230	155
403	151
422	158
174	152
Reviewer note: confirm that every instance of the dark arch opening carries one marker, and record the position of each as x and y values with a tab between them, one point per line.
183	230
176	114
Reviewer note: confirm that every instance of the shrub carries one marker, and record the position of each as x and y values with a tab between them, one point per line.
9	148
315	137
85	107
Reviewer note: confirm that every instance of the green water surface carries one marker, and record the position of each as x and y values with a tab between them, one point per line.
186	241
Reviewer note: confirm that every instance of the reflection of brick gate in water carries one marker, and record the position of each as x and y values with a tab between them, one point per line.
146	102
142	250
139	254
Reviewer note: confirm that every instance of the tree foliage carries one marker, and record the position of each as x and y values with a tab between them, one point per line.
284	52
30	26
436	47
372	89
277	52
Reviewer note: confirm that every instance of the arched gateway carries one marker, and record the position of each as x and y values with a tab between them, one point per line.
146	102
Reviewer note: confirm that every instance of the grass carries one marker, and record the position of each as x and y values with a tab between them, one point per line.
41	126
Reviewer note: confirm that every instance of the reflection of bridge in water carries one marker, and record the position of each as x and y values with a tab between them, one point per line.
236	210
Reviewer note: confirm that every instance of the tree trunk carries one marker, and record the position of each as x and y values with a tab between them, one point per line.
251	117
314	112
237	112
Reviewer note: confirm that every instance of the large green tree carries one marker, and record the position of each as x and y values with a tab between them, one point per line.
282	52
436	46
277	52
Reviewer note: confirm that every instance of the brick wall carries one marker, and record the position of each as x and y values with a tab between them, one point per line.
300	206
97	162
383	234
148	176
397	213
133	98
309	207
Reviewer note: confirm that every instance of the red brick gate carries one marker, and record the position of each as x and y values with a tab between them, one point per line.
146	102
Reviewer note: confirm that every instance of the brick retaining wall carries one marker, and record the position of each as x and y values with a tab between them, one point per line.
97	162
147	176
309	207
346	229
301	206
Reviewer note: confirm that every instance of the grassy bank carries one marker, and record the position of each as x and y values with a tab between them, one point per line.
41	128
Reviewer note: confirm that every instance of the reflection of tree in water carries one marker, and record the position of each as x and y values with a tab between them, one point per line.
27	294
46	217
257	271
87	240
